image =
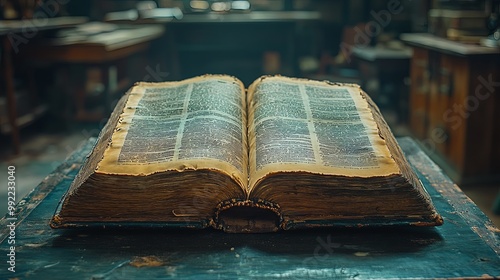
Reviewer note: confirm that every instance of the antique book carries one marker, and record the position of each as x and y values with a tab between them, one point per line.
286	153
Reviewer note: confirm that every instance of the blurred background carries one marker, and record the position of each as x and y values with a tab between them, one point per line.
431	66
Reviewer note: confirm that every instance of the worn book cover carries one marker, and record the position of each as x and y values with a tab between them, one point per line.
284	153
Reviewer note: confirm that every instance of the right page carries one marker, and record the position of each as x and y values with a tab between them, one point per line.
312	126
320	150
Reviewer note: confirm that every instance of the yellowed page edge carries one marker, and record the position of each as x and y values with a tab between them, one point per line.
387	165
109	163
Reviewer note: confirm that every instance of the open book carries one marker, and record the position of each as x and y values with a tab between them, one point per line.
287	153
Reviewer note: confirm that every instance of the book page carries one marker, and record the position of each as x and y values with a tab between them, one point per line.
199	123
310	126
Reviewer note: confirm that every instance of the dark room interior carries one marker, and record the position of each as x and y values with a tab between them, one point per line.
431	67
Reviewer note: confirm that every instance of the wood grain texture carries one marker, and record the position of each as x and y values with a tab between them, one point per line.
419	92
466	246
458	114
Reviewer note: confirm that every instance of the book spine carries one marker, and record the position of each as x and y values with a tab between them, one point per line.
248	216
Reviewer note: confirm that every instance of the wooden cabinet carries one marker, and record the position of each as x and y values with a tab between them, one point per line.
455	106
419	71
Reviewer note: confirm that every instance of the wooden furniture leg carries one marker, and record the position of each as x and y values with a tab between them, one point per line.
9	90
108	87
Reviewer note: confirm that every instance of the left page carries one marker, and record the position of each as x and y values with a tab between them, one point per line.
199	123
169	154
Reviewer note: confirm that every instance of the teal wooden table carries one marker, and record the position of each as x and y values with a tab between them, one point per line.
466	246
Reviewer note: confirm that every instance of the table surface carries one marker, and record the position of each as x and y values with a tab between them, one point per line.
430	41
376	53
99	47
467	245
250	17
29	26
109	36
